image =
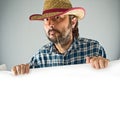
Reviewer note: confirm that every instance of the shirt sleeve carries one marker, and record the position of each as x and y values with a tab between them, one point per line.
98	49
94	48
102	52
35	61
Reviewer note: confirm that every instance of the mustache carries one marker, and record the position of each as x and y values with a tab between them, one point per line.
50	30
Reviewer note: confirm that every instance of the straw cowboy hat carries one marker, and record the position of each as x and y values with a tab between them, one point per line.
58	7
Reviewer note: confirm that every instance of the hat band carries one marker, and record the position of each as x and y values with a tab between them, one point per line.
54	10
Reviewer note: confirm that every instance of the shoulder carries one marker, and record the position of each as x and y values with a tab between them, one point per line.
87	41
46	48
92	45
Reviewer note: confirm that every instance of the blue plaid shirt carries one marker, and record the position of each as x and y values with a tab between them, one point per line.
49	56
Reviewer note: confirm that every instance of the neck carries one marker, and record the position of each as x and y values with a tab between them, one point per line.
62	48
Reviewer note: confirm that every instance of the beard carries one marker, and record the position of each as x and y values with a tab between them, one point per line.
60	37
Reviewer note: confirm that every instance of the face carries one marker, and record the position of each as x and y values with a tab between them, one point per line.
58	29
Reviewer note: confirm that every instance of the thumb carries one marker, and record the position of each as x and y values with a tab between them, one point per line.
87	60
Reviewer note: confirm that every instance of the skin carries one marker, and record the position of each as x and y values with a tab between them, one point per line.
59	30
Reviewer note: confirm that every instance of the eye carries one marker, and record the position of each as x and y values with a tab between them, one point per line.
46	19
57	17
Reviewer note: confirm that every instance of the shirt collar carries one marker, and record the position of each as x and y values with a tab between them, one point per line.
53	49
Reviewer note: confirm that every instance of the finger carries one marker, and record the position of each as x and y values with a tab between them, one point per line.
96	64
18	67
87	60
14	70
92	59
27	68
92	64
22	69
106	63
102	63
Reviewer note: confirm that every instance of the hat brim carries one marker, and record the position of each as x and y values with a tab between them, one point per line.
77	11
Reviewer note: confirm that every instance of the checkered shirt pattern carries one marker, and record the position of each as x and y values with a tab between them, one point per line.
48	55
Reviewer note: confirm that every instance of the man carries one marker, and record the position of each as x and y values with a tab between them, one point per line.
65	47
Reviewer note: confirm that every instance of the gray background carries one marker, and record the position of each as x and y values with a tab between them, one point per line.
21	38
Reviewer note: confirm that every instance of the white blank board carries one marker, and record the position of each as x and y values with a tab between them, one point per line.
76	92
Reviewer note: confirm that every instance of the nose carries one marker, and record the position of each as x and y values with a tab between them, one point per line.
51	23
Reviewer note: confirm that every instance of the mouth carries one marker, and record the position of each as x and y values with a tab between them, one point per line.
53	32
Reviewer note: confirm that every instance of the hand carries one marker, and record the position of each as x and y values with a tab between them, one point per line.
21	69
97	62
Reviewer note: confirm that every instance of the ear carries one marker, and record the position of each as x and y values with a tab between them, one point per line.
74	21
